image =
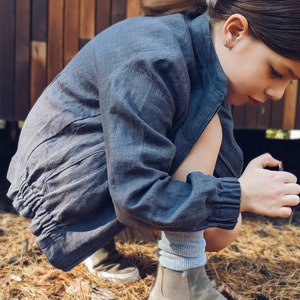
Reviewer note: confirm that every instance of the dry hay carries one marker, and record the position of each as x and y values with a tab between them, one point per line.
262	264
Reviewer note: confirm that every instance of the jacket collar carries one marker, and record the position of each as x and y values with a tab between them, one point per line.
208	90
206	55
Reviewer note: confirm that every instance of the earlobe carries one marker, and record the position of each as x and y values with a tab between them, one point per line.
227	42
235	27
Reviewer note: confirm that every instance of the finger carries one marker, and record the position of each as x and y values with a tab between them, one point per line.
284	212
291	200
292	188
266	160
288	177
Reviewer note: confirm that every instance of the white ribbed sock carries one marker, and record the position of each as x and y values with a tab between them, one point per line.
180	251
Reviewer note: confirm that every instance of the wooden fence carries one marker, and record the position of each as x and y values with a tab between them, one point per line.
39	37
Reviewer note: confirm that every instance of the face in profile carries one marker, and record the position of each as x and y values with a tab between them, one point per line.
255	72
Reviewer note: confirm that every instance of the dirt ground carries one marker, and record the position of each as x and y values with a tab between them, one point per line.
263	263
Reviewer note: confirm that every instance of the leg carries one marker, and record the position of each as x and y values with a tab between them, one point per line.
218	239
203	158
181	273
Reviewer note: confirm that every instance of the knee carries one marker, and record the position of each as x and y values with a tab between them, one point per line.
218	239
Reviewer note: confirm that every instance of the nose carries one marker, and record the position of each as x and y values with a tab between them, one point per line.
276	93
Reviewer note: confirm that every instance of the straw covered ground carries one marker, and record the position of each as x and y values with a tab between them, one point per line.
264	263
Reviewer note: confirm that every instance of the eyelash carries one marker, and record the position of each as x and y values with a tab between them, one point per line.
274	73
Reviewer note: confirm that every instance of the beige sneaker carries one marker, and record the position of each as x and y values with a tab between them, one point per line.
192	284
108	263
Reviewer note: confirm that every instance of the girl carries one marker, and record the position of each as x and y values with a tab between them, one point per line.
137	131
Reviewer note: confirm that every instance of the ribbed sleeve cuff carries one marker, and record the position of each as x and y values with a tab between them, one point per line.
225	212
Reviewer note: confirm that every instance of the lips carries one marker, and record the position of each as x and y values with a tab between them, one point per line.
253	101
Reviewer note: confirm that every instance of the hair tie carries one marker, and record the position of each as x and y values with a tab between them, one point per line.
211	3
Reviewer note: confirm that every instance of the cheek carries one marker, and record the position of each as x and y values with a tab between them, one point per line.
245	80
248	85
239	91
247	74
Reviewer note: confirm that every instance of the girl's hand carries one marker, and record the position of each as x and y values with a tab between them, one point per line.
266	192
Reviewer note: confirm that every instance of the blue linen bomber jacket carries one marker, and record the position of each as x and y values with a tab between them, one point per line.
97	150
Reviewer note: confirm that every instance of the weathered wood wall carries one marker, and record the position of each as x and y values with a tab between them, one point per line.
38	38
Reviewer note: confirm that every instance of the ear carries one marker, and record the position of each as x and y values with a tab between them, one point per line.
234	28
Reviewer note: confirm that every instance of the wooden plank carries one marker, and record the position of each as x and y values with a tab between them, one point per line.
55	38
263	116
22	67
103	16
38	76
38	48
258	116
83	42
276	114
71	29
87	19
118	11
239	113
290	102
297	121
39	23
133	8
251	116
7	59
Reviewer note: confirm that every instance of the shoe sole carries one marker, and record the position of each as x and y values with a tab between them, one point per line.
123	278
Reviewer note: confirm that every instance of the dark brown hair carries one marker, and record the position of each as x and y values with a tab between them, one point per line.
274	22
